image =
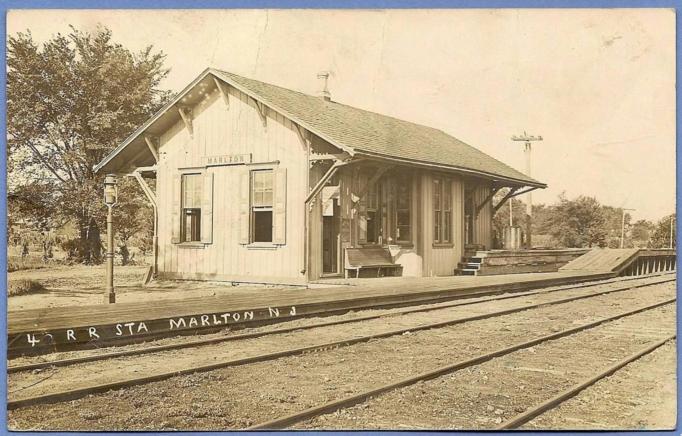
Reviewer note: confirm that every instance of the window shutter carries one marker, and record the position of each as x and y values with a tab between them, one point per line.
175	209
244	195
279	211
207	209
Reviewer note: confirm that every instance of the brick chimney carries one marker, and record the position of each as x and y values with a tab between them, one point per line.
324	93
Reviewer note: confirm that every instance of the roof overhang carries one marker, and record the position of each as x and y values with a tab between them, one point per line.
497	180
133	152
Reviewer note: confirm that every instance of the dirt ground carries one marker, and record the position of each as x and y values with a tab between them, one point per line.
238	397
482	397
75	285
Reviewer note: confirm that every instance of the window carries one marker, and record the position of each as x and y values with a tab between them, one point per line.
447	211
191	207
373	217
437	209
442	211
403	209
261	206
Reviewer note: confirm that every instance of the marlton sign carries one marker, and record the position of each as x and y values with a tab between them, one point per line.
226	159
83	335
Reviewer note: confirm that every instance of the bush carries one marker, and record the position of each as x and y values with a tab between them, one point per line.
85	251
23	287
16	263
73	248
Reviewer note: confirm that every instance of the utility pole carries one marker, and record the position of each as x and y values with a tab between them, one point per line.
527	139
672	217
622	229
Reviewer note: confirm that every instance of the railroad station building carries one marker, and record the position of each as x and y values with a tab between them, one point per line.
258	183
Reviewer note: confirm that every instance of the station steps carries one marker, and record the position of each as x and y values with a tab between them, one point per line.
471	261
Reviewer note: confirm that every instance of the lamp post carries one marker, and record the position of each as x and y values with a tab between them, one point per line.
622	229
110	199
672	218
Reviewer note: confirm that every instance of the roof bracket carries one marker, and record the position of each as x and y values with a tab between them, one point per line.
490	196
151	196
152	144
262	110
302	134
509	195
513	193
223	92
186	114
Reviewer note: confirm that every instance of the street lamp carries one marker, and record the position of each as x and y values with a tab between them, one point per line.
622	229
110	199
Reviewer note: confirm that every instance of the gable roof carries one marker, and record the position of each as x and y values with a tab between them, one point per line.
358	131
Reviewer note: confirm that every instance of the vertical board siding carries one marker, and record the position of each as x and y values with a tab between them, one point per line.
315	227
222	131
458	220
483	222
440	261
426	230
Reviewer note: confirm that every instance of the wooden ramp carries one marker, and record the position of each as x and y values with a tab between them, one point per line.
602	259
50	329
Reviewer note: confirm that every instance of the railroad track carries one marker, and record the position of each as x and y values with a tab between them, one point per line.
332	406
79	392
252	335
545	406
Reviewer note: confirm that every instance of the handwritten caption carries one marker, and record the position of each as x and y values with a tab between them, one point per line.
129	329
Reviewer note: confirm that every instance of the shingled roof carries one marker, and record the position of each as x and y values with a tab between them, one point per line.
364	133
375	134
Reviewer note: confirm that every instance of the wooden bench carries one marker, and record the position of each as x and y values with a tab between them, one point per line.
370	258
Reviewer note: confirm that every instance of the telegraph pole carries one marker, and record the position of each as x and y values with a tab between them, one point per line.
527	139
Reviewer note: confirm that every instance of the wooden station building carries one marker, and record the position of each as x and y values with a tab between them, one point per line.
258	183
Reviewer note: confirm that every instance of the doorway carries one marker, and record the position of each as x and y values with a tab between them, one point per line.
330	230
468	219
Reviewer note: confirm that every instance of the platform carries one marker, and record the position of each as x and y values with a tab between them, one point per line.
48	329
601	259
624	261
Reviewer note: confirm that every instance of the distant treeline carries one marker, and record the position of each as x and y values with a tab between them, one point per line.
584	222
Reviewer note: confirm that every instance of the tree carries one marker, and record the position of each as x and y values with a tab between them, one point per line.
614	227
660	238
34	206
640	232
578	223
132	216
34	203
70	101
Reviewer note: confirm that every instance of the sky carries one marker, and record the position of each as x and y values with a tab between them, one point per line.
597	84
